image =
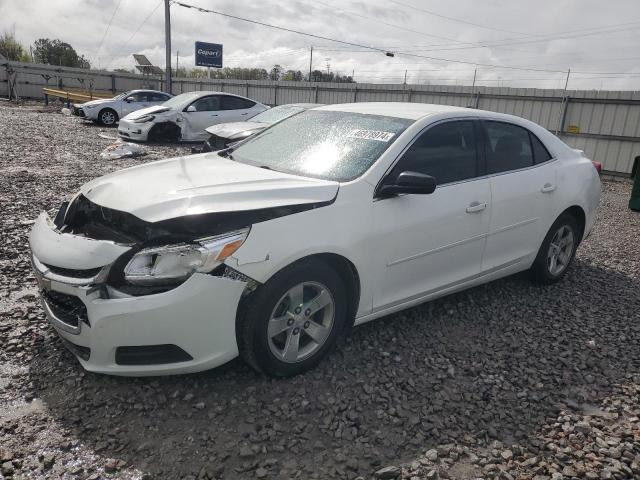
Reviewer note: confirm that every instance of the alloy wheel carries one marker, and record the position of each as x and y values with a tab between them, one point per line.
560	250
108	118
301	322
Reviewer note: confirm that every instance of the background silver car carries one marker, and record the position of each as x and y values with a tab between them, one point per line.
108	111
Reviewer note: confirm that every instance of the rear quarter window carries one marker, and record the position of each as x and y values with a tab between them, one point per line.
540	152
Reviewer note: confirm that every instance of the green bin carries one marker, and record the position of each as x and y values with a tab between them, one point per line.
634	202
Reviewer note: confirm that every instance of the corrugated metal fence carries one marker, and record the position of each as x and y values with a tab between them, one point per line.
605	124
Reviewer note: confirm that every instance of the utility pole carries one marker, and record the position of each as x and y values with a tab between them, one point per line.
566	83
473	86
563	109
405	77
167	47
310	62
177	54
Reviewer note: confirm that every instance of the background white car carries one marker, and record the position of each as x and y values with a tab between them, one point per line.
186	116
109	111
223	134
333	217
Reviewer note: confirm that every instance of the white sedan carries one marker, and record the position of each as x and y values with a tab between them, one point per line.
186	116
109	110
333	217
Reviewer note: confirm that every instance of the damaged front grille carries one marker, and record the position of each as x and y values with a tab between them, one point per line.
68	309
72	273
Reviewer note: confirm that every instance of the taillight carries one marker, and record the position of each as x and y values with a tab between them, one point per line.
598	166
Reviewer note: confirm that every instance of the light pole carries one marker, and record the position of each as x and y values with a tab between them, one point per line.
167	46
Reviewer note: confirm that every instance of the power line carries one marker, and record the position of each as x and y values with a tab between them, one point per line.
277	27
138	29
393	25
454	19
106	30
368	47
509	42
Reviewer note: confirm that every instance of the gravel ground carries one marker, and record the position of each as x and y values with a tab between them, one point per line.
507	380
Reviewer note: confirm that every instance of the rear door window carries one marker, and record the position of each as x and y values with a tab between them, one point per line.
235	103
508	147
139	96
158	97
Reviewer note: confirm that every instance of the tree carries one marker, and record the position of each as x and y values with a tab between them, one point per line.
320	76
275	73
11	49
293	76
57	52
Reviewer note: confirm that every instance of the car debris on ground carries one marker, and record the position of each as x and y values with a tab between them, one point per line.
122	150
504	381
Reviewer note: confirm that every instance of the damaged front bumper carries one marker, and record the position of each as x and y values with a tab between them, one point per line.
186	329
134	131
77	110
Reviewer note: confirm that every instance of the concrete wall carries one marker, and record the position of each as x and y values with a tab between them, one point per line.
605	124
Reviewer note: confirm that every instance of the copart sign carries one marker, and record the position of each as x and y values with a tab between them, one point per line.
208	54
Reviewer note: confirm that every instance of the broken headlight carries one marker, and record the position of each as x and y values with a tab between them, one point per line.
144	119
172	263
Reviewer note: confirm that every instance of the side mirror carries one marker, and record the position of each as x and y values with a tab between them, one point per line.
191	108
410	182
129	99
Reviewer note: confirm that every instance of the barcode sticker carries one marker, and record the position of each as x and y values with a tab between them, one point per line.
371	135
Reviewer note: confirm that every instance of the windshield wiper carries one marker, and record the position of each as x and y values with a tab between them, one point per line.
226	153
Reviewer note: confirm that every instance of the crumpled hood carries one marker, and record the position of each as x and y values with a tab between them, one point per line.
229	130
205	183
146	111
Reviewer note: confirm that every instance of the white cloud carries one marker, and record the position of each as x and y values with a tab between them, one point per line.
82	23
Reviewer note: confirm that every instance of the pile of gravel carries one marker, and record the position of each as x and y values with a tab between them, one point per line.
507	380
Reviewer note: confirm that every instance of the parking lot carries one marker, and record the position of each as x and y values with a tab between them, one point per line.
507	380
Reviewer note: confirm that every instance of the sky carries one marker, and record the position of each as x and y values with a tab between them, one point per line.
434	41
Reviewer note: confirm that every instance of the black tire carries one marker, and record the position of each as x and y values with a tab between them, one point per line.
108	117
255	313
541	271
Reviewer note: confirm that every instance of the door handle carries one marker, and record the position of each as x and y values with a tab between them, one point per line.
475	207
548	188
245	113
214	114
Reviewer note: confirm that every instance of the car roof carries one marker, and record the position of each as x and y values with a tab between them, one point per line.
416	111
203	93
302	105
147	90
412	111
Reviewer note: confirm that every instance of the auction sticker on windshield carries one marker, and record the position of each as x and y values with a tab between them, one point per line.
371	135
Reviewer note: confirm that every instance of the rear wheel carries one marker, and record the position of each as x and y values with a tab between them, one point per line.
290	323
108	117
557	251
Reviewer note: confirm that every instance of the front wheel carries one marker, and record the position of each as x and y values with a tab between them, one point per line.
108	117
290	323
557	251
